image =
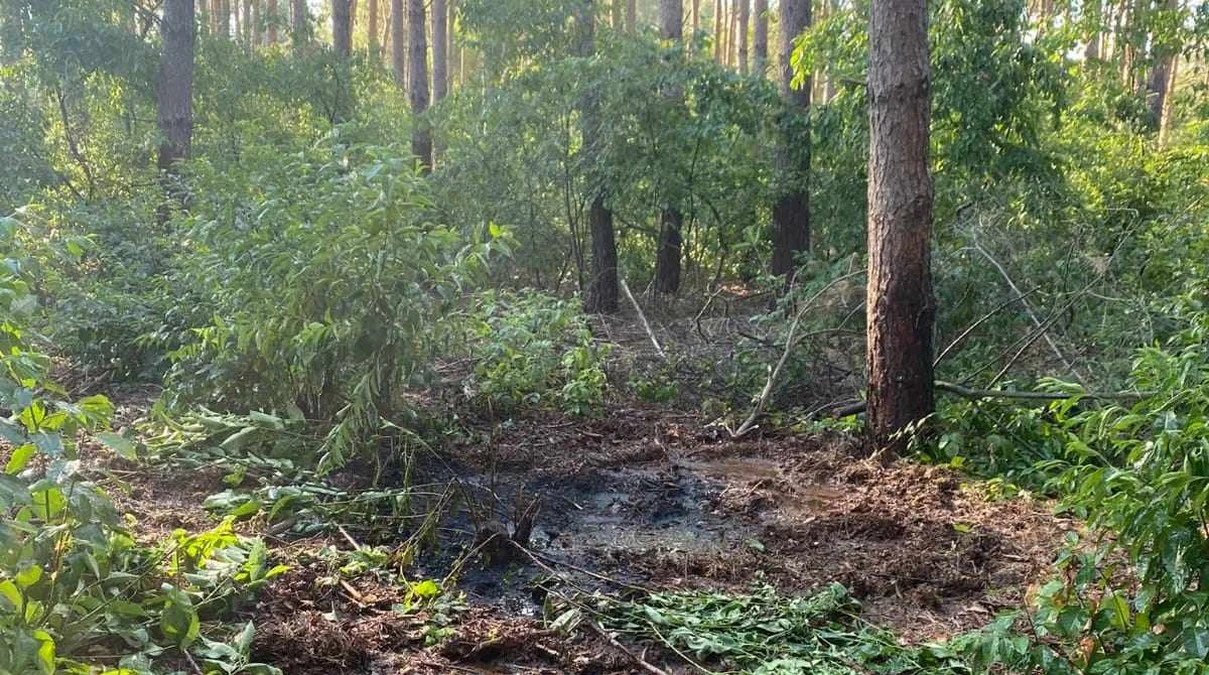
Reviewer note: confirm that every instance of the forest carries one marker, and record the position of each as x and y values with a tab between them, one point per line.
777	337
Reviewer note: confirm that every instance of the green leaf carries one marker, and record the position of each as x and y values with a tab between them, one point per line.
28	575
426	589
20	458
1196	642
46	652
10	593
124	447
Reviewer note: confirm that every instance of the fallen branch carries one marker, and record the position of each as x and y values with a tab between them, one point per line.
844	409
638	660
766	393
642	317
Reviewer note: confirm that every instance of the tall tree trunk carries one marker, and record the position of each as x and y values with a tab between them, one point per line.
224	19
271	23
440	50
342	29
667	257
600	296
791	211
451	51
257	23
631	16
174	84
1163	56
900	308
1093	15
732	49
1166	113
694	14
744	20
248	31
371	30
299	20
398	43
719	38
417	90
616	12
760	38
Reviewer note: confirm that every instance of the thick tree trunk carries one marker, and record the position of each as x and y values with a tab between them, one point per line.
667	257
440	47
299	20
1165	115
174	84
1163	57
417	90
398	43
760	38
900	308
271	23
372	27
616	12
342	29
631	16
791	211
744	20
257	21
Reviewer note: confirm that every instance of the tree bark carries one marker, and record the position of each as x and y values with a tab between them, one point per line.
371	30
451	52
667	256
224	19
174	84
256	23
417	91
616	12
342	29
900	308
601	294
271	23
694	23
760	38
248	31
1163	57
719	38
440	53
1167	111
744	20
299	19
631	16
398	43
791	211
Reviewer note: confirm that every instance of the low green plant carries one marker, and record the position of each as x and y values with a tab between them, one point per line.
532	349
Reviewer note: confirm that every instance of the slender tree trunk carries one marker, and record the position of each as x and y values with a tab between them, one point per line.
451	52
371	30
719	38
417	91
760	38
744	20
257	22
667	257
900	308
694	23
440	50
616	12
631	16
248	30
342	29
600	296
224	19
1093	26
732	51
271	21
398	43
174	92
236	24
791	211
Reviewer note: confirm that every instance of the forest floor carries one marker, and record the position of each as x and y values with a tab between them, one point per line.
637	498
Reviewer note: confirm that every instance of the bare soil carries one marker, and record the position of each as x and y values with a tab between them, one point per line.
642	498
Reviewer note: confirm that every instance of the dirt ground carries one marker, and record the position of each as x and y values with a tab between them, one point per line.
640	498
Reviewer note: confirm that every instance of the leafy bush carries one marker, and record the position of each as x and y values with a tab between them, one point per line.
326	282
531	349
